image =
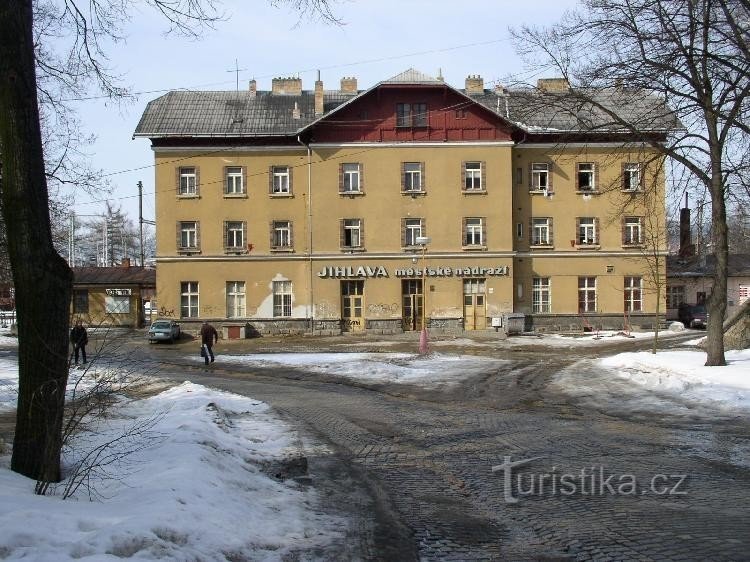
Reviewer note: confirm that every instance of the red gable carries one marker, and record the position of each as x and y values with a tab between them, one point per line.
406	112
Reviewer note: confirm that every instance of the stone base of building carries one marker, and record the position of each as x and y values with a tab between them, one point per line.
588	323
388	326
445	326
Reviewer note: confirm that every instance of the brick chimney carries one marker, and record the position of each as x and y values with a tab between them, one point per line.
348	85
556	85
318	95
253	88
286	86
474	84
125	262
687	248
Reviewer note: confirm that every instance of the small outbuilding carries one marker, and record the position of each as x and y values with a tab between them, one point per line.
112	296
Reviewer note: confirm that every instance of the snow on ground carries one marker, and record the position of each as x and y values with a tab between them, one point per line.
197	491
8	380
669	381
430	370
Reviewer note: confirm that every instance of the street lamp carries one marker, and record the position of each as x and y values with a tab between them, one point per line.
423	241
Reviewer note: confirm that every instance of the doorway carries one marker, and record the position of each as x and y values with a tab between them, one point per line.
475	309
411	304
352	297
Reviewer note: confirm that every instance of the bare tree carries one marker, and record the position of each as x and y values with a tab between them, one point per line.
32	72
694	57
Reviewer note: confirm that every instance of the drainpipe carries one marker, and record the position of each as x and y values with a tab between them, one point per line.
310	293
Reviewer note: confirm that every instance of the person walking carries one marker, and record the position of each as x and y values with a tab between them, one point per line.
79	338
209	336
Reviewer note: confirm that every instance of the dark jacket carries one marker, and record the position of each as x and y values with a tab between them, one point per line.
78	336
209	335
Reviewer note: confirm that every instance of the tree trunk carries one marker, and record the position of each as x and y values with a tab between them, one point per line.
716	304
41	277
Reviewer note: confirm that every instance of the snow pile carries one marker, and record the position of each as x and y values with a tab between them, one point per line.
682	374
426	370
196	492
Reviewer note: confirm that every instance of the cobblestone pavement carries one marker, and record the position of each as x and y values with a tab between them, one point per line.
426	457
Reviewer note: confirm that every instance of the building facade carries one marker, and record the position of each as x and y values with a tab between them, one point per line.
411	202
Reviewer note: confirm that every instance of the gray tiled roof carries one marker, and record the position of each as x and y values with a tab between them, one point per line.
143	276
240	114
231	114
704	266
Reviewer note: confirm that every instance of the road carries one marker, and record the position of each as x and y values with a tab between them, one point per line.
413	467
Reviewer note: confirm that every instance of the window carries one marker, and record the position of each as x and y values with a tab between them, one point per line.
411	177
587	231
234	235
282	298
539	176
585	176
541	231
412	229
81	301
587	294
351	233
117	304
675	295
189	299
235	180
519	230
474	231
633	294
461	113
188	181
631	231
743	294
350	181
281	235
411	115
631	176
187	235
473	176
281	180
235	299
540	294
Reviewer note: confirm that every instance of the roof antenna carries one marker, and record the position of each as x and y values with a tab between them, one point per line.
440	75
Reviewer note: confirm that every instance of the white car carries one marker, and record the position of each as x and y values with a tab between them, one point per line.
164	330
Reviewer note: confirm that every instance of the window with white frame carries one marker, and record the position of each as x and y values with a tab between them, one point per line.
188	235
586	231
412	231
633	294
281	183
235	299
631	176
540	294
282	298
412	179
117	304
281	235
234	184
189	299
541	234
473	176
539	176
587	294
743	293
585	174
350	178
675	295
235	235
632	231
474	231
351	235
188	181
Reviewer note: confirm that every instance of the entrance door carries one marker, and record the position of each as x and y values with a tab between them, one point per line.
475	317
411	304
352	305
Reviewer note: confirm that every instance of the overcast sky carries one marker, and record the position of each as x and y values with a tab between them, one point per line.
378	39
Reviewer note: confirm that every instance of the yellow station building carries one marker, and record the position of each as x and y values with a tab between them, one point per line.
322	211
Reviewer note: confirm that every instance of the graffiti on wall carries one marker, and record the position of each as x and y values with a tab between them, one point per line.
383	309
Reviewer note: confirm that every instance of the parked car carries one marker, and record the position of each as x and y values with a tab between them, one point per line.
164	330
692	315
